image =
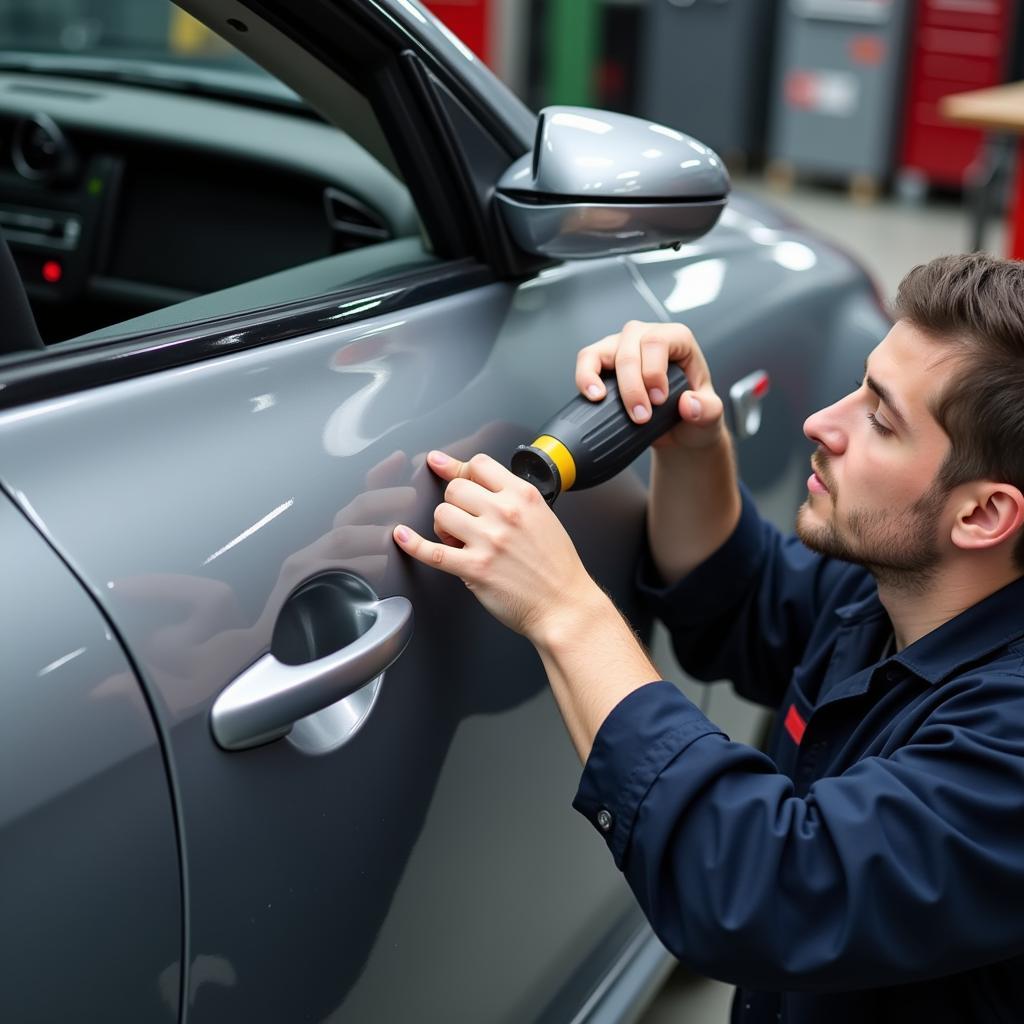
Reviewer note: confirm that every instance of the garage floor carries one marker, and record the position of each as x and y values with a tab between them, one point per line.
889	237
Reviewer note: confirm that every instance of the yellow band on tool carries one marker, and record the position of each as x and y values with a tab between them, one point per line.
560	456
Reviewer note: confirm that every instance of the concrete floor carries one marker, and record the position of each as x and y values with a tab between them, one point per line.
889	237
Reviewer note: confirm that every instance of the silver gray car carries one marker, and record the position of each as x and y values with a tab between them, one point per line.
254	765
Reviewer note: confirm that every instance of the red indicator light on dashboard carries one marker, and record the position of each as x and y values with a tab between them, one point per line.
52	271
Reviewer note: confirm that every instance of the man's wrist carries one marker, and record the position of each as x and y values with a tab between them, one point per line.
593	660
565	626
716	444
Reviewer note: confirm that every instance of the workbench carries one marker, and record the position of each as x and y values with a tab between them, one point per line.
1001	110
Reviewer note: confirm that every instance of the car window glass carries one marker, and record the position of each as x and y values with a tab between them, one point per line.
151	175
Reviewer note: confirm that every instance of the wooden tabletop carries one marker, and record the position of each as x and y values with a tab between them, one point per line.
1000	108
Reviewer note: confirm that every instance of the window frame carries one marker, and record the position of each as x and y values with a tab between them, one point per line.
412	96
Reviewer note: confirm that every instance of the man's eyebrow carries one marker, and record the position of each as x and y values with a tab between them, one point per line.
885	395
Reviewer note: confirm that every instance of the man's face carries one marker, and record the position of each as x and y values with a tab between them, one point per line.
872	499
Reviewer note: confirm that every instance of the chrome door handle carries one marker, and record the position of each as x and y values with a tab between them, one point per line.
267	698
746	396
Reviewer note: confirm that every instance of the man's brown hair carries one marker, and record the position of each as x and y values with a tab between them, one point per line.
975	302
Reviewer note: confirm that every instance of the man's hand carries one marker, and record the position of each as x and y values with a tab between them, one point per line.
506	545
694	501
640	354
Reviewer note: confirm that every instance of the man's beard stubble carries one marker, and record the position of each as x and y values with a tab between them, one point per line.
897	548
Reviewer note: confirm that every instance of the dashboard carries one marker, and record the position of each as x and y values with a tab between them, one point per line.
116	200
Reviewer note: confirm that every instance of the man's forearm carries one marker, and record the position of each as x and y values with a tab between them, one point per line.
592	659
693	507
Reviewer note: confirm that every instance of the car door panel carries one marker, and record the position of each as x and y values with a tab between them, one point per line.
90	886
437	844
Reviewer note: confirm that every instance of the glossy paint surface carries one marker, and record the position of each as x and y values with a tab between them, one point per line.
600	184
431	845
90	888
584	153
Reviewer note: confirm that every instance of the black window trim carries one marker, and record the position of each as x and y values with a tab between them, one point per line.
52	373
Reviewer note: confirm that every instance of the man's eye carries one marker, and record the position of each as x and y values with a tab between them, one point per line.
875	425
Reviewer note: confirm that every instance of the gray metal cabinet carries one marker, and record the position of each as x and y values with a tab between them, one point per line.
427	860
838	85
704	69
90	887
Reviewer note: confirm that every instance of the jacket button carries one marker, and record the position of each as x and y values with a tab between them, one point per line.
604	820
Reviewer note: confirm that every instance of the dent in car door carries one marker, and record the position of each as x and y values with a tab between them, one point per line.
436	845
90	891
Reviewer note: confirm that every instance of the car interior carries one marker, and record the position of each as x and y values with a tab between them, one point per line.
132	200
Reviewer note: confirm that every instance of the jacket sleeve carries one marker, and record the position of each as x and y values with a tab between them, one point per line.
747	612
903	868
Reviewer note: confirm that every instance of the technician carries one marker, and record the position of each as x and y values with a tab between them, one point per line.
870	868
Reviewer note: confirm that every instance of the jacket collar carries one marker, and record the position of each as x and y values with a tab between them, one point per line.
993	622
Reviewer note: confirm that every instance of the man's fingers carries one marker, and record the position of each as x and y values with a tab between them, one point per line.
590	361
654	367
453	522
469	495
439	556
629	371
700	407
482	469
680	346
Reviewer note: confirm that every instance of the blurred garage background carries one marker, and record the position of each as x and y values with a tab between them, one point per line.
837	110
857	116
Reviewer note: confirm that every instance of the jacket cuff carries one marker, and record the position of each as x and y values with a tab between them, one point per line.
646	730
714	586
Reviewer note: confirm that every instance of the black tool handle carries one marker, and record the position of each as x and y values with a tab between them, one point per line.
601	436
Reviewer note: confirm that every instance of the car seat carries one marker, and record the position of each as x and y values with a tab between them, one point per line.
18	332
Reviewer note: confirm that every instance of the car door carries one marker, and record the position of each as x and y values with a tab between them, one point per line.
90	886
225	489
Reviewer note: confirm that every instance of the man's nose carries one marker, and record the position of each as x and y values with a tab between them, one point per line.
827	427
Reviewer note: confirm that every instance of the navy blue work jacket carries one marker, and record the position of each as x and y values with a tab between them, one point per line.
870	867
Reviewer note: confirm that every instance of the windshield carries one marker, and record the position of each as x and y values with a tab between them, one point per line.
144	32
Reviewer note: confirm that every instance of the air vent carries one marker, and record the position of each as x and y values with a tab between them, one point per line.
39	150
348	216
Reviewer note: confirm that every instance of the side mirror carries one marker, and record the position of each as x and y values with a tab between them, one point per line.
601	184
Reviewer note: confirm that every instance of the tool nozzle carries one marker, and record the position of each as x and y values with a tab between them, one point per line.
547	464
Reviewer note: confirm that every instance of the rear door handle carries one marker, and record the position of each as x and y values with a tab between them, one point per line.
746	396
266	699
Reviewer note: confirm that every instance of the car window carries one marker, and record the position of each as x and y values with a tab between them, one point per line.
152	175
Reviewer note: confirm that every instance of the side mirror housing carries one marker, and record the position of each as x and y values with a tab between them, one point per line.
602	184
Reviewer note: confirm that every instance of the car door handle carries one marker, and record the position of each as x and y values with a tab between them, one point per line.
746	396
265	700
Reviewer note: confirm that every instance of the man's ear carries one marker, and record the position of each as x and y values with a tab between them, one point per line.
990	514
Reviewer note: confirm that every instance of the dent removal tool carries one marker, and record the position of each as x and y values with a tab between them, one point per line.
588	442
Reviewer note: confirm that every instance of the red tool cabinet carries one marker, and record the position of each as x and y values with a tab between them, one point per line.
956	45
469	20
